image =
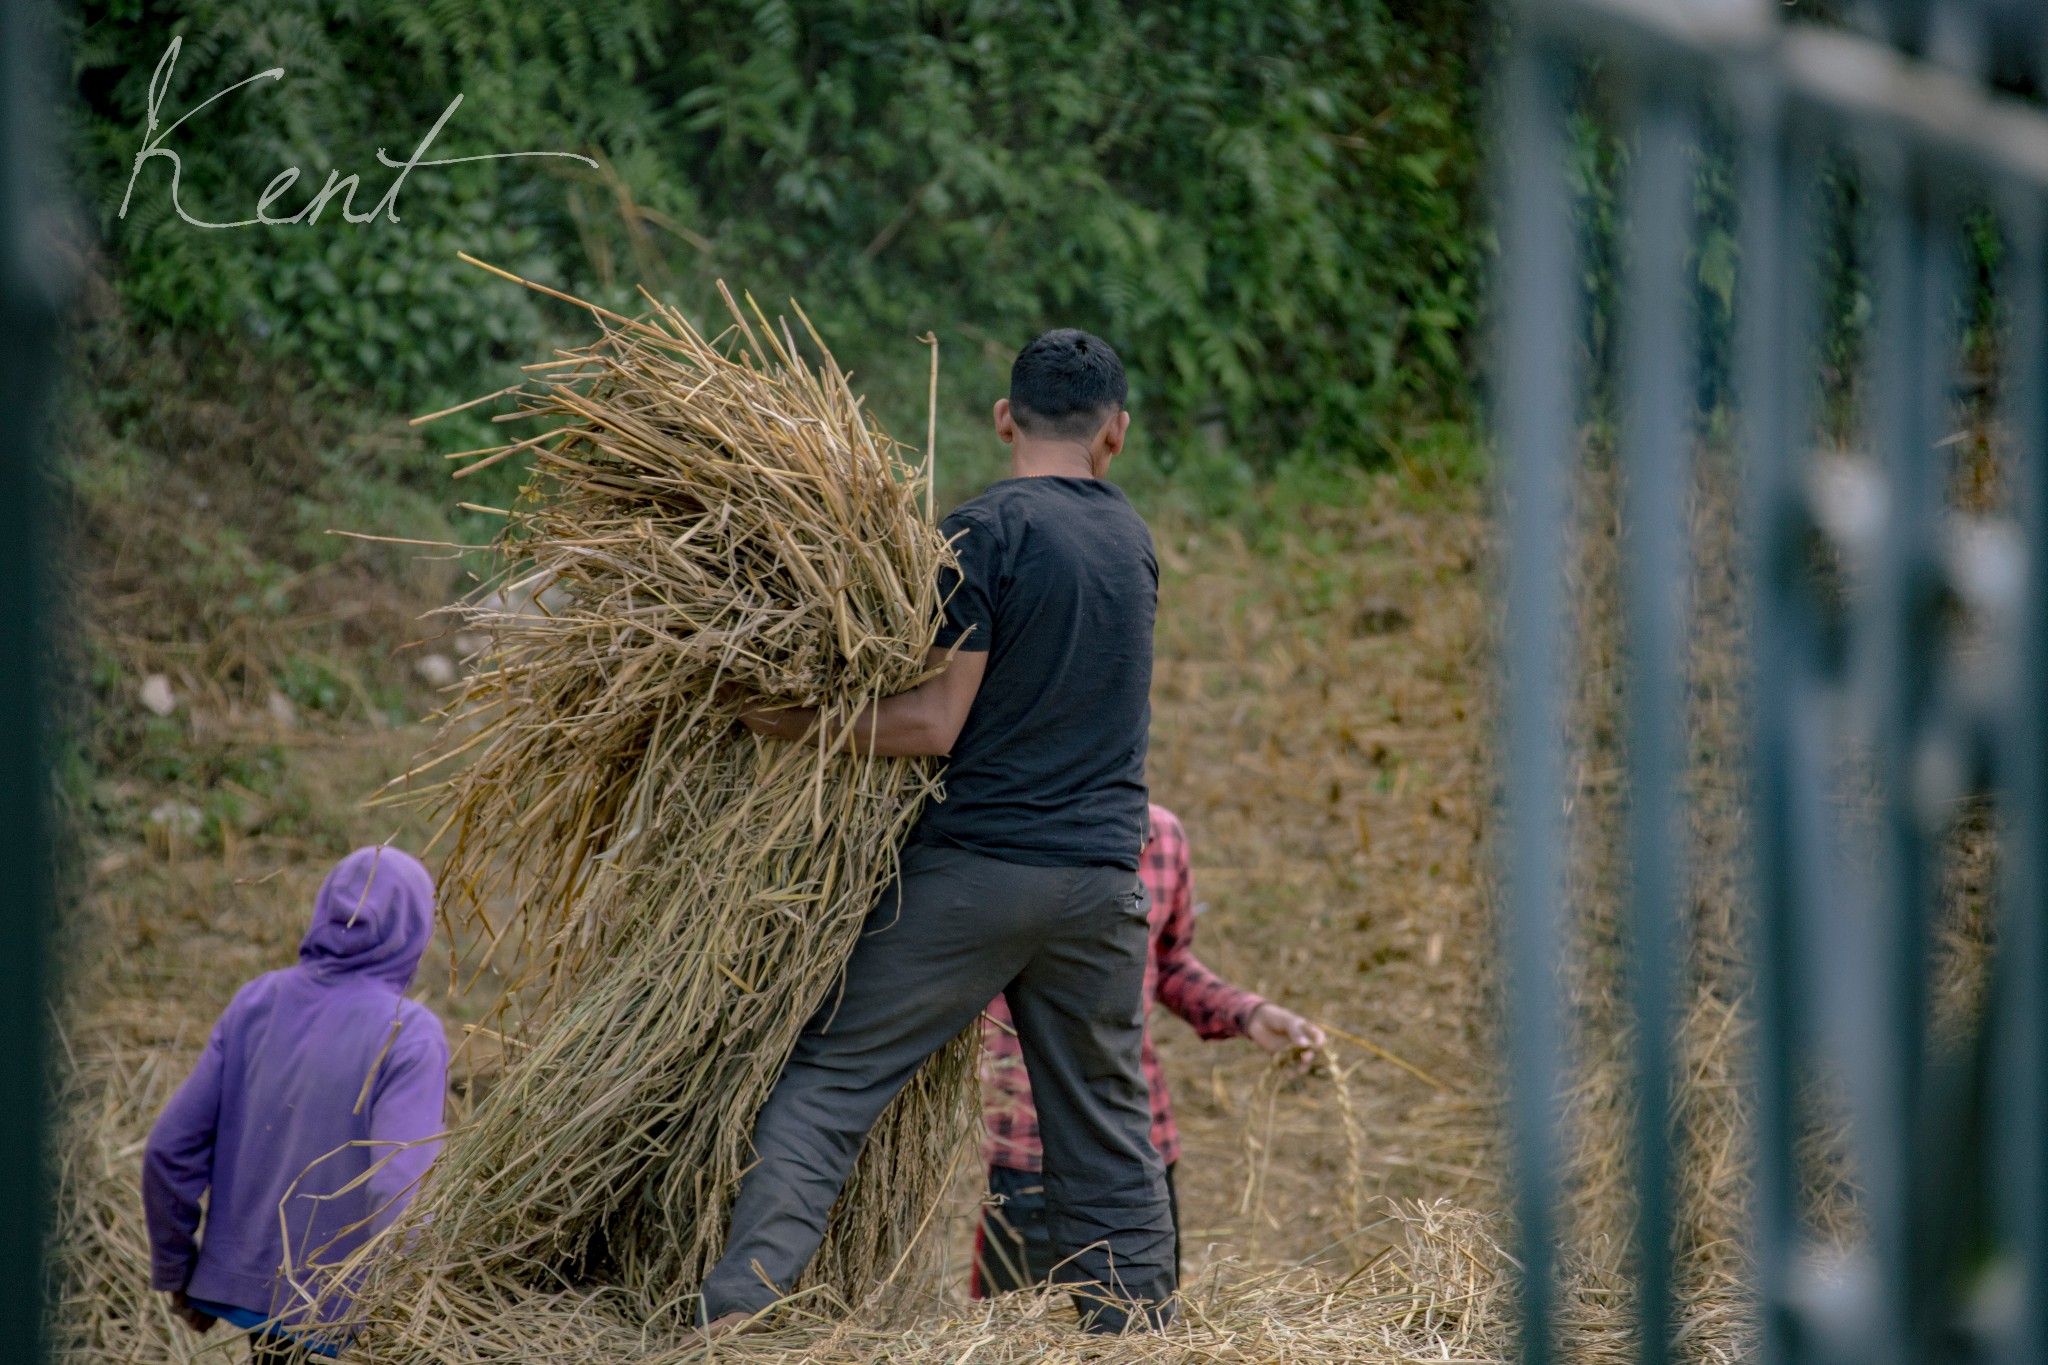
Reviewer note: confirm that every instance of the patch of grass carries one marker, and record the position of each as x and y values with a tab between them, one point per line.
313	686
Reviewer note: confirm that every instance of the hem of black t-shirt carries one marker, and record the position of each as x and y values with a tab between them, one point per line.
1024	857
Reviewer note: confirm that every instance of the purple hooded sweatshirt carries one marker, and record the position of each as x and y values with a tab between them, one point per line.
304	1061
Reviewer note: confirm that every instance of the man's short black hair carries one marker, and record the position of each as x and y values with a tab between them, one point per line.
1066	384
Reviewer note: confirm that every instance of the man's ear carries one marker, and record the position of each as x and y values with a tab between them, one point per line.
1006	425
1113	434
1108	442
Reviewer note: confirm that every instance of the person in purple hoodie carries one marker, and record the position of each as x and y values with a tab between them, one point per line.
318	1077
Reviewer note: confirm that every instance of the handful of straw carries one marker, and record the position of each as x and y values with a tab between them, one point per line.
720	522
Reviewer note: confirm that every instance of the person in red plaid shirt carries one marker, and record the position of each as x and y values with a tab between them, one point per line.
1012	1247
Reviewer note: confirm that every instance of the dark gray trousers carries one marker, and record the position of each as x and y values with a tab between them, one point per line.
1067	946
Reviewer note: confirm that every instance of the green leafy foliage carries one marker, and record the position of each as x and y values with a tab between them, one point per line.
377	305
1267	207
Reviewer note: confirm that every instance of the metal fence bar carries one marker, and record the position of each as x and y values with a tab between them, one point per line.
1915	373
1658	376
2023	995
1878	646
32	287
1775	213
1536	412
1854	76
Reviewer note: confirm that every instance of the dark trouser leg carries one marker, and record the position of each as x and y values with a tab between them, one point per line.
926	964
1015	1250
1173	1208
1079	1015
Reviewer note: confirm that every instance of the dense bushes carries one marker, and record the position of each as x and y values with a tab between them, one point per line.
1267	206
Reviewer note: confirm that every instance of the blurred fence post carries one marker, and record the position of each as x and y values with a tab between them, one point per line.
32	282
1888	626
1538	341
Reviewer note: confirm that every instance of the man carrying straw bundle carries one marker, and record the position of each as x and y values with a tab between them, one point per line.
1022	882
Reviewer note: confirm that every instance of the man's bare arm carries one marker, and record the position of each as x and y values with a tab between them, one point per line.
925	721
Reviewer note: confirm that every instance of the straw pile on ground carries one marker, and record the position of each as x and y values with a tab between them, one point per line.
719	522
1254	665
1282	1205
1437	1293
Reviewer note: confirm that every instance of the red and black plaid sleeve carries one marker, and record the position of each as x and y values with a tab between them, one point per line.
1211	1005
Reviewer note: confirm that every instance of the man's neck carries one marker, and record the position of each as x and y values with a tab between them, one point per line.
1051	459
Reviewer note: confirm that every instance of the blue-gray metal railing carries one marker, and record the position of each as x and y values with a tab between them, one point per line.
32	280
1541	328
1922	654
1658	377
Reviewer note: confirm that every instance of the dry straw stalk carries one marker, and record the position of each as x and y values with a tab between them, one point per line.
709	522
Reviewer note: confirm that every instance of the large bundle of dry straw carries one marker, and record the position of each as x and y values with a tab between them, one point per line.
717	521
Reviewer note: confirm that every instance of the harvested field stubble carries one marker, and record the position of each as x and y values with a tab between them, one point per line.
1318	706
1316	724
1434	1294
1319	725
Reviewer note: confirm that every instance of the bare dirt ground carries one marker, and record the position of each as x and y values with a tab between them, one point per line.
1317	726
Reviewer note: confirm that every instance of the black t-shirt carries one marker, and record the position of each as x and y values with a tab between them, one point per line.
1058	583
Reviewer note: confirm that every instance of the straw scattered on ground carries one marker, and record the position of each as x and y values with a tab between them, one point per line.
1315	724
1318	723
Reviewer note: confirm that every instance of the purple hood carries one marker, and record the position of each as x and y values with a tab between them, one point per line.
373	918
315	1108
